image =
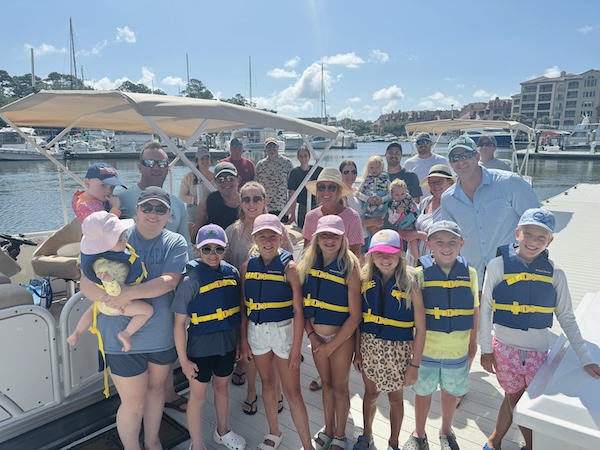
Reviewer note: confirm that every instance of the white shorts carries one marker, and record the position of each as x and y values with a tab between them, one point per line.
271	336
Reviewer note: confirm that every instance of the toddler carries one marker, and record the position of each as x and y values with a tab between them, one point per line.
100	181
403	211
373	192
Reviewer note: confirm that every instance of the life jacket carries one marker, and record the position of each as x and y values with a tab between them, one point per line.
384	311
216	306
526	297
268	296
137	269
448	300
326	294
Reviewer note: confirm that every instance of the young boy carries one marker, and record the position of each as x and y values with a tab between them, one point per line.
100	181
451	299
521	291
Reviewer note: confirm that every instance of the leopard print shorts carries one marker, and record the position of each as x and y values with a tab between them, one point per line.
385	362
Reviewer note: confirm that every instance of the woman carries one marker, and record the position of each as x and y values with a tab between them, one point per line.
294	179
439	179
193	191
139	375
239	235
330	191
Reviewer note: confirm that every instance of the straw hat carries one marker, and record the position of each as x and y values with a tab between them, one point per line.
330	175
438	170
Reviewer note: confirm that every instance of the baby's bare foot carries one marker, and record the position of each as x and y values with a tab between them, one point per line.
125	338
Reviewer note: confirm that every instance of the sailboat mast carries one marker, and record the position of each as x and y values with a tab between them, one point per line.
250	77
323	104
187	66
73	65
32	71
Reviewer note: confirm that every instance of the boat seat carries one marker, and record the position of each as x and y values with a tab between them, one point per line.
58	256
14	295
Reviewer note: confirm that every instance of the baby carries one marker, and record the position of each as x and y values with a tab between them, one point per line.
100	181
109	261
373	191
403	211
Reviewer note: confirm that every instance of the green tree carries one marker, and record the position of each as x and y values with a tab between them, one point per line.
63	81
361	127
396	129
238	99
140	88
544	120
21	85
196	89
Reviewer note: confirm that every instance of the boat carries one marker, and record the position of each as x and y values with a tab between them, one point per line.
503	137
344	139
582	135
15	147
54	380
253	139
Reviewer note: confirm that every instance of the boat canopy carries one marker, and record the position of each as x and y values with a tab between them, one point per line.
439	126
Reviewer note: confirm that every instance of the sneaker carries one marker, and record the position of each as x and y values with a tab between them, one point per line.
449	442
415	443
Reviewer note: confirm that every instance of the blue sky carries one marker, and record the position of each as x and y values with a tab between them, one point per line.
378	56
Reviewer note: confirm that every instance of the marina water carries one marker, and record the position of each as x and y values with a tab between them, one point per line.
30	197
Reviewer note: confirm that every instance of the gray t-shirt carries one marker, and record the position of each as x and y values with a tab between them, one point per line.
166	253
202	345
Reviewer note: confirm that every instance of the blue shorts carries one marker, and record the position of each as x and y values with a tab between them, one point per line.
450	375
134	364
220	365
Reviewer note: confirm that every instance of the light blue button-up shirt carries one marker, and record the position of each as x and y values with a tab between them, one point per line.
490	219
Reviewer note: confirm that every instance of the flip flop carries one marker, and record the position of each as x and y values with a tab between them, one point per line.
280	404
241	378
177	404
253	407
315	386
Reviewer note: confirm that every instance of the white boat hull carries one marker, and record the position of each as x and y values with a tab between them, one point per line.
8	154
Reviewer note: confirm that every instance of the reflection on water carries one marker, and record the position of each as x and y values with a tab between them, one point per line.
30	195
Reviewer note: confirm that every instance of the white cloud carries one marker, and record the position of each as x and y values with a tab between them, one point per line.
413	57
45	49
552	72
393	92
448	79
389	107
105	84
282	73
345	113
291	63
95	50
125	35
380	56
439	101
173	81
481	94
586	29
354	100
460	86
350	60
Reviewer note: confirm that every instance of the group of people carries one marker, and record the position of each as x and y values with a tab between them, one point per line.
237	297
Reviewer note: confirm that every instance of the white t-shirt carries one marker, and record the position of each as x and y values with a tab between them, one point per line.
421	167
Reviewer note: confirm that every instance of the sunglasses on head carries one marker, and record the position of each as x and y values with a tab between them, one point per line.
486	144
219	250
162	163
327	187
423	141
147	208
271	145
225	178
353	172
255	199
461	156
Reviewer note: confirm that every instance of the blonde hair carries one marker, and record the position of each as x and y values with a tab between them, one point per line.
398	183
252	185
347	261
373	159
404	274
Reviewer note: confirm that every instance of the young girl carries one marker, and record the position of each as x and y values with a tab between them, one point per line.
273	296
109	261
373	191
332	311
393	315
403	211
209	296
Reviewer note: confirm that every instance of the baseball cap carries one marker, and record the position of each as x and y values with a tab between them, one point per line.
106	173
155	193
225	167
462	142
101	231
211	234
423	135
445	225
267	222
271	140
330	224
235	142
202	151
489	137
385	241
540	217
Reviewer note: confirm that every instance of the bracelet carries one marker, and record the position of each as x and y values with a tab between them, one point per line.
413	365
312	332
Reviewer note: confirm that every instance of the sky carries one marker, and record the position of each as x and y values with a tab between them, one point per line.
377	57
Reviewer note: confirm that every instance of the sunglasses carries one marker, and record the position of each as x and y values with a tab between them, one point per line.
271	145
208	250
236	146
225	178
461	156
353	172
423	142
436	183
147	208
486	144
327	187
162	163
255	199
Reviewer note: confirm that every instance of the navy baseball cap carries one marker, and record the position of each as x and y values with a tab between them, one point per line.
106	173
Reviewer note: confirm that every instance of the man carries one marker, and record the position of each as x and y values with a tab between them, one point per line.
425	159
273	172
487	205
244	166
487	146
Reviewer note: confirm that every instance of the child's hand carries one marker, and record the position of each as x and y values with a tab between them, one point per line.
372	200
245	352
115	202
593	370
324	350
189	369
488	362
411	375
357	362
295	359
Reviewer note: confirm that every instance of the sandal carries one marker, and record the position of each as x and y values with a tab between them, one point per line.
315	386
280	405
241	378
276	440
363	439
177	404
230	440
416	443
325	439
337	442
252	406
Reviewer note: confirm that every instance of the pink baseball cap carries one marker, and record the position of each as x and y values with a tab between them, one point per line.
330	224
385	241
267	222
101	232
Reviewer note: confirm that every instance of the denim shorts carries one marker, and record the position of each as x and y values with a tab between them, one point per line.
134	364
276	337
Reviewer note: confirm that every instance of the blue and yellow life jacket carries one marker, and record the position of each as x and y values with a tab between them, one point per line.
448	300
326	294
526	297
268	296
137	269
